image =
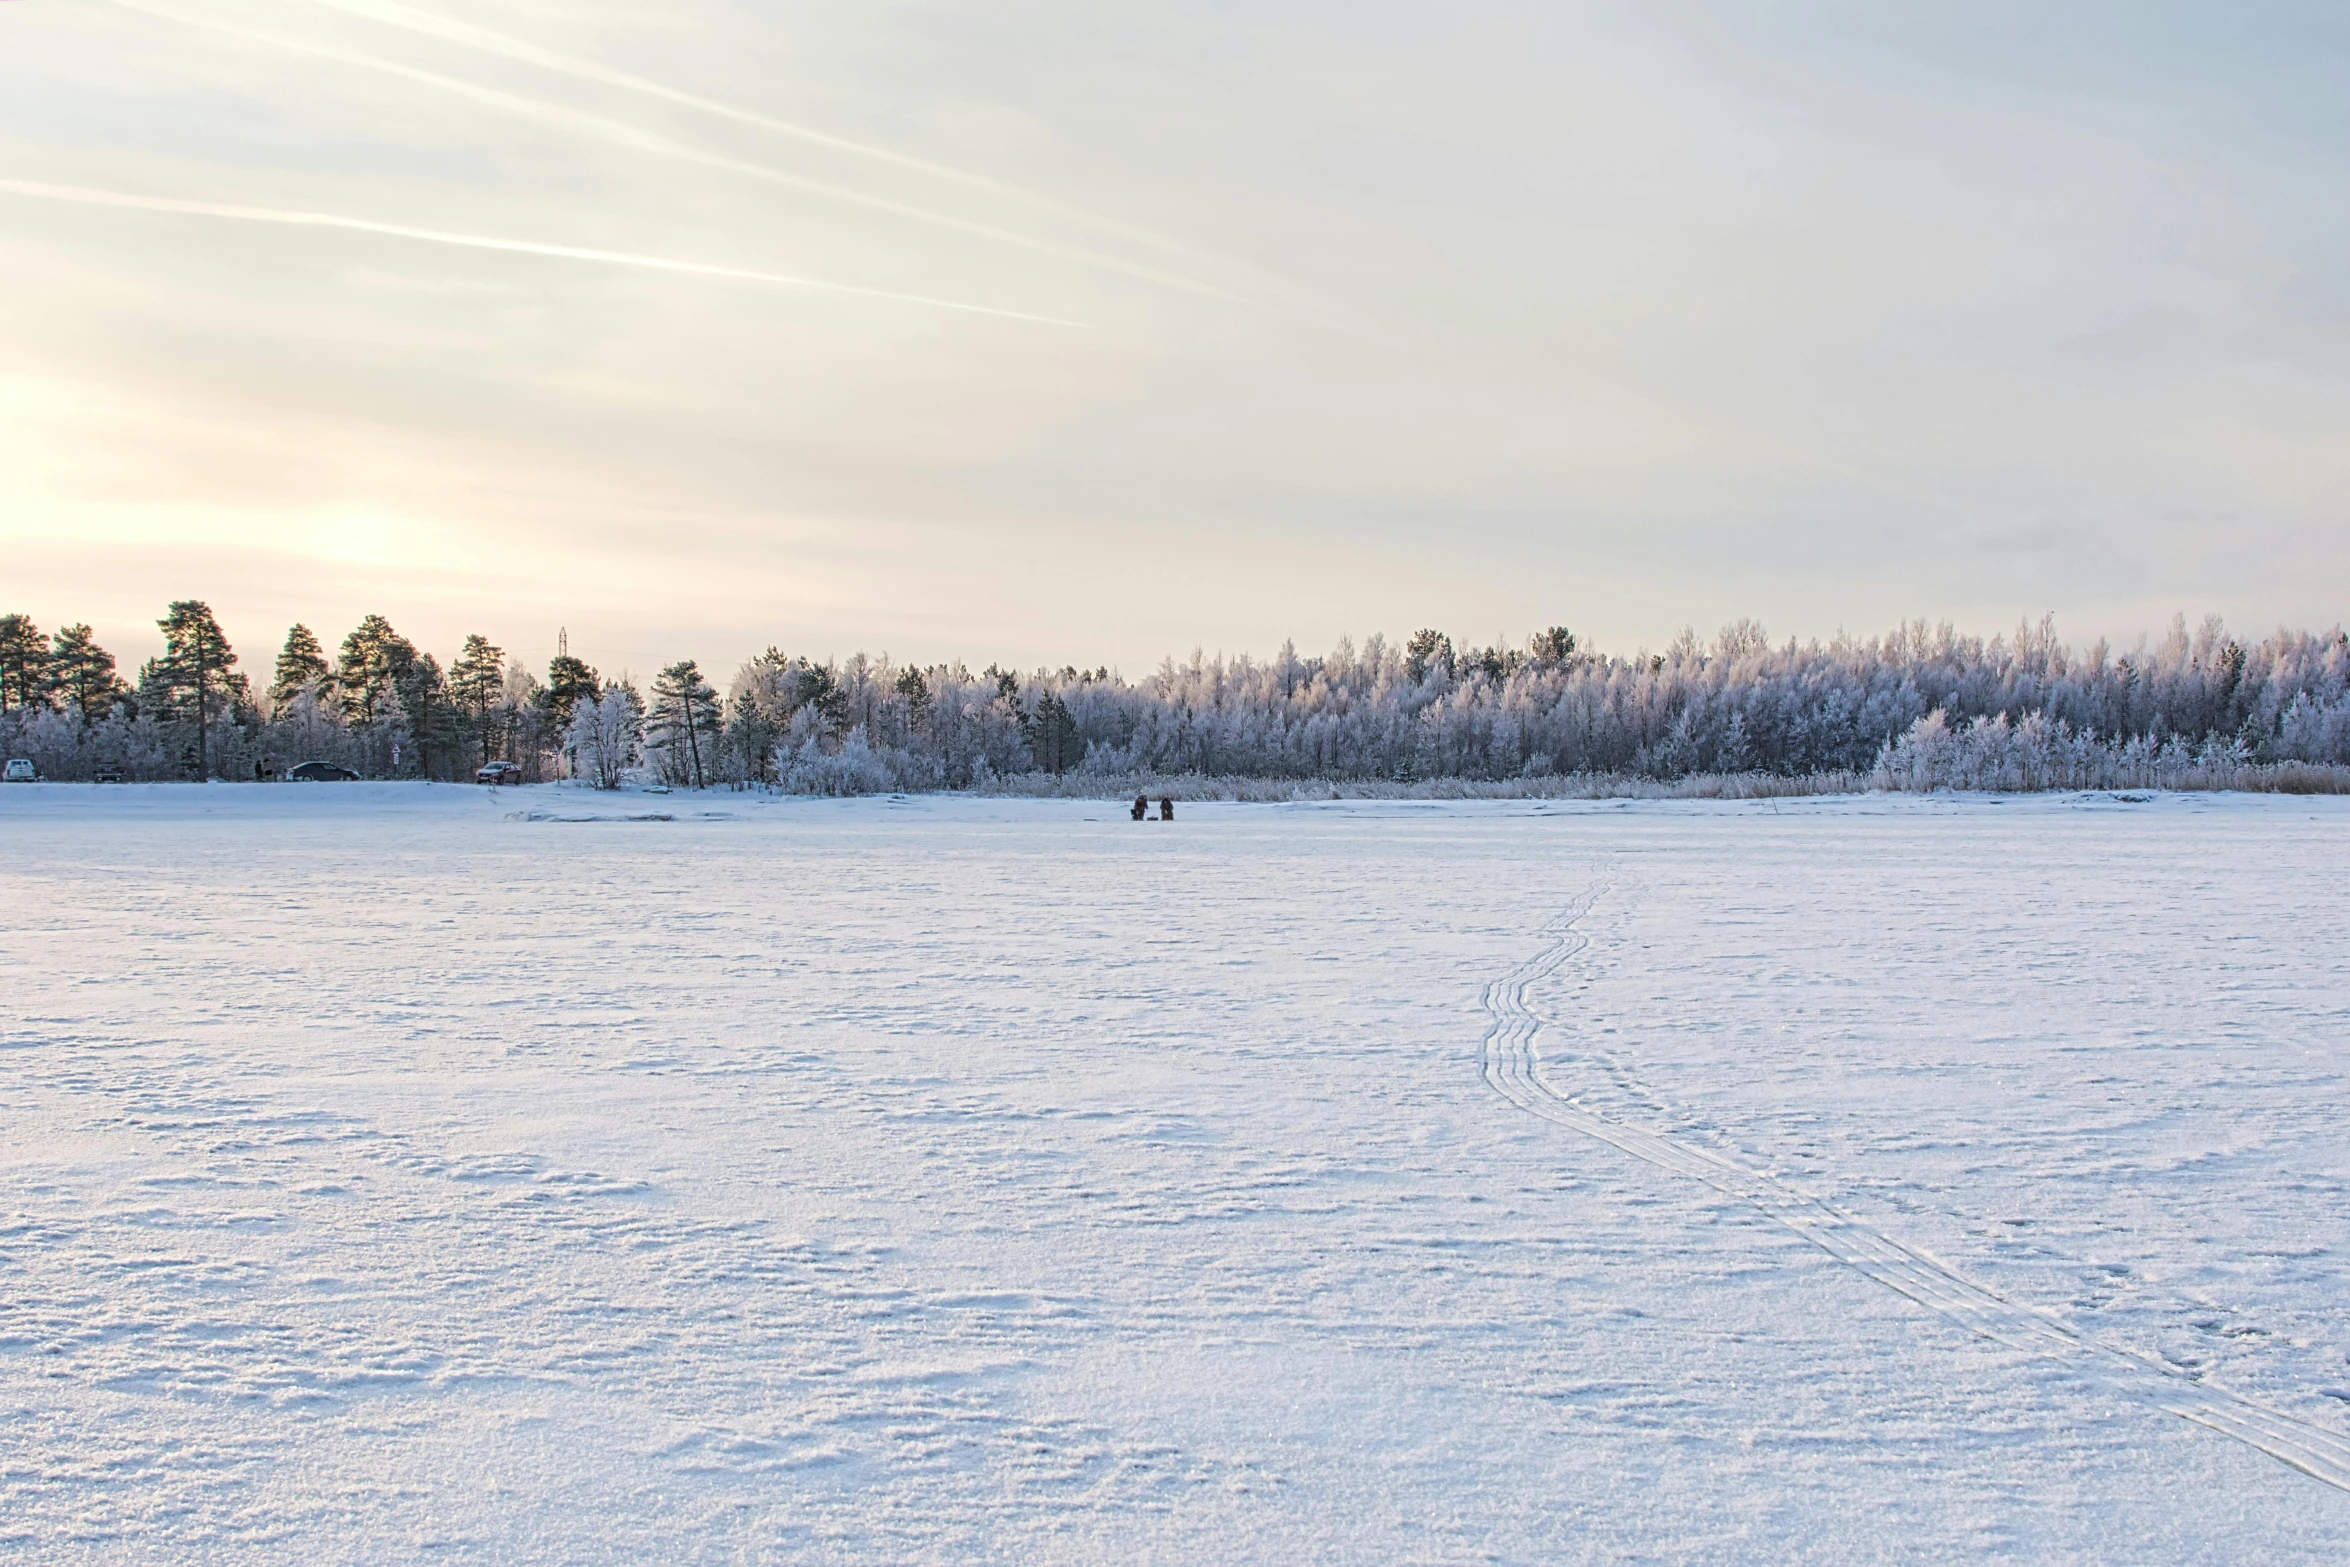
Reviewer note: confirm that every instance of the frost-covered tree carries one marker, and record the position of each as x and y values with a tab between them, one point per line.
853	767
1735	702
684	724
1921	706
309	727
759	703
605	735
523	738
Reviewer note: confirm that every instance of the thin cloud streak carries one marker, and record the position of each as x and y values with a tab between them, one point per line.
392	14
622	134
86	196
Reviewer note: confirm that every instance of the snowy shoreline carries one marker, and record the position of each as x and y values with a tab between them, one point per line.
2291	781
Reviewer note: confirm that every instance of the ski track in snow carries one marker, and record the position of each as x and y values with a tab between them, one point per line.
1512	1065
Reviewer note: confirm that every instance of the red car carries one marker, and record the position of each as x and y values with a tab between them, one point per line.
499	773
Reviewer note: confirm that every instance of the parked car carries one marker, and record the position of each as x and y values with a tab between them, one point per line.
20	770
499	773
321	772
106	772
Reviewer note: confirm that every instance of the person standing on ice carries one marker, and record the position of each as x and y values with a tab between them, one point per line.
1142	806
1166	808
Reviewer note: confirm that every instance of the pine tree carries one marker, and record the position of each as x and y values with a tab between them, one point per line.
1553	646
814	685
424	701
759	701
301	666
375	661
476	681
1428	650
24	664
83	673
1496	663
685	722
569	680
1053	735
916	692
191	680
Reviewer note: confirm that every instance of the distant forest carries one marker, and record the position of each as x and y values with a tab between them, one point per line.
1920	707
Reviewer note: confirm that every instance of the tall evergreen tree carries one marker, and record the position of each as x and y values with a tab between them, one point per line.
192	677
816	686
423	696
301	666
374	663
476	681
1053	735
1554	646
24	664
685	719
916	692
84	675
1429	649
569	681
759	703
1496	663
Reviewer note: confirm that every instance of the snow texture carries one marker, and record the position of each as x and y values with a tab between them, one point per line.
406	1172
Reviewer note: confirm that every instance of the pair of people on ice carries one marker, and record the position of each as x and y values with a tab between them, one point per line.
1142	808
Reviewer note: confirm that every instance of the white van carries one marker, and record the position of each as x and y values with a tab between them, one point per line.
20	770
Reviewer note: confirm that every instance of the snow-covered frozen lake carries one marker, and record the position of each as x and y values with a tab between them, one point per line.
406	1172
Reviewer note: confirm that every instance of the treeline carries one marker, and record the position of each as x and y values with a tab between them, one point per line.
1919	707
380	706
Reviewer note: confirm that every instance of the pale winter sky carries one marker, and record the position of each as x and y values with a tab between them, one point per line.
1126	328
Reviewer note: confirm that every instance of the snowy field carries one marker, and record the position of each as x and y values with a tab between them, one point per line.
396	1173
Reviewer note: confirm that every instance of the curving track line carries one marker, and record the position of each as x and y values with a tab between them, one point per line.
1513	1068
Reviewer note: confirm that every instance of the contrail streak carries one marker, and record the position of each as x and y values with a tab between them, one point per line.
393	14
626	135
526	247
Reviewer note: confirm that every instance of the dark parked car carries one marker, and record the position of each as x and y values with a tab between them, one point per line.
106	772
499	773
321	772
